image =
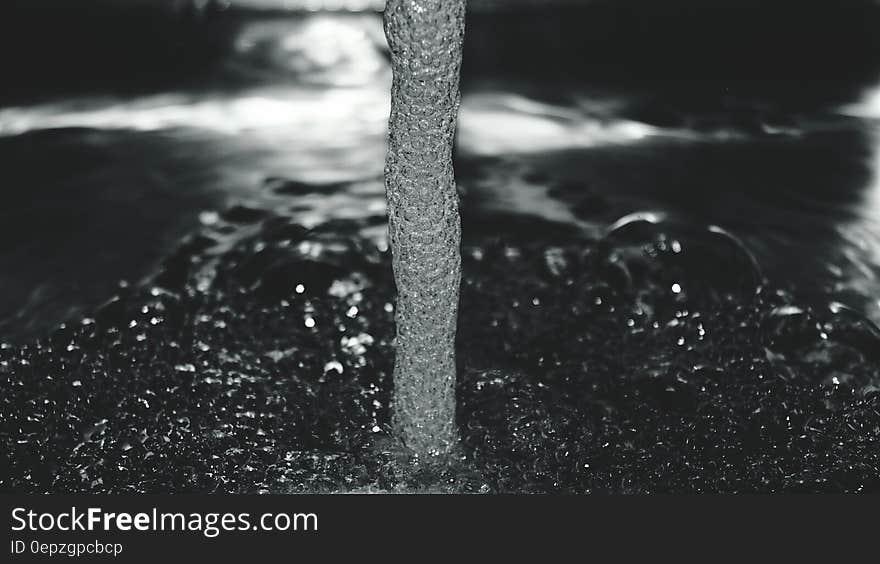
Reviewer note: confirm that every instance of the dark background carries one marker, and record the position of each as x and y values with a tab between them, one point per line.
47	45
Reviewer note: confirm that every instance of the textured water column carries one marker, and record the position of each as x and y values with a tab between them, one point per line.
425	38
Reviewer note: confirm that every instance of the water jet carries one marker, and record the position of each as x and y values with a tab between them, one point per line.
425	39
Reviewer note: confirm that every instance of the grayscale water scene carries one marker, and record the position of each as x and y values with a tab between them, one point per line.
665	277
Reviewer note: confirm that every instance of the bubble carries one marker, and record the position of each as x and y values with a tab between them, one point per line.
644	251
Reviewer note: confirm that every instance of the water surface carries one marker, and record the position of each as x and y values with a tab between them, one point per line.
100	187
667	285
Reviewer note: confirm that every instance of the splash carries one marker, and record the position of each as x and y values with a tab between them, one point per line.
425	38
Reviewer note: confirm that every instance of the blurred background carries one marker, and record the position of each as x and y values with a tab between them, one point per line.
127	124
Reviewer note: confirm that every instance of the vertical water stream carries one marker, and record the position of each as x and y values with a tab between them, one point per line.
425	38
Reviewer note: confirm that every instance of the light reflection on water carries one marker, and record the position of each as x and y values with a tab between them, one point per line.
310	103
317	112
863	233
497	123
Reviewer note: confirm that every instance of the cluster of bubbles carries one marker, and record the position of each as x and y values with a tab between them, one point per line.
654	359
